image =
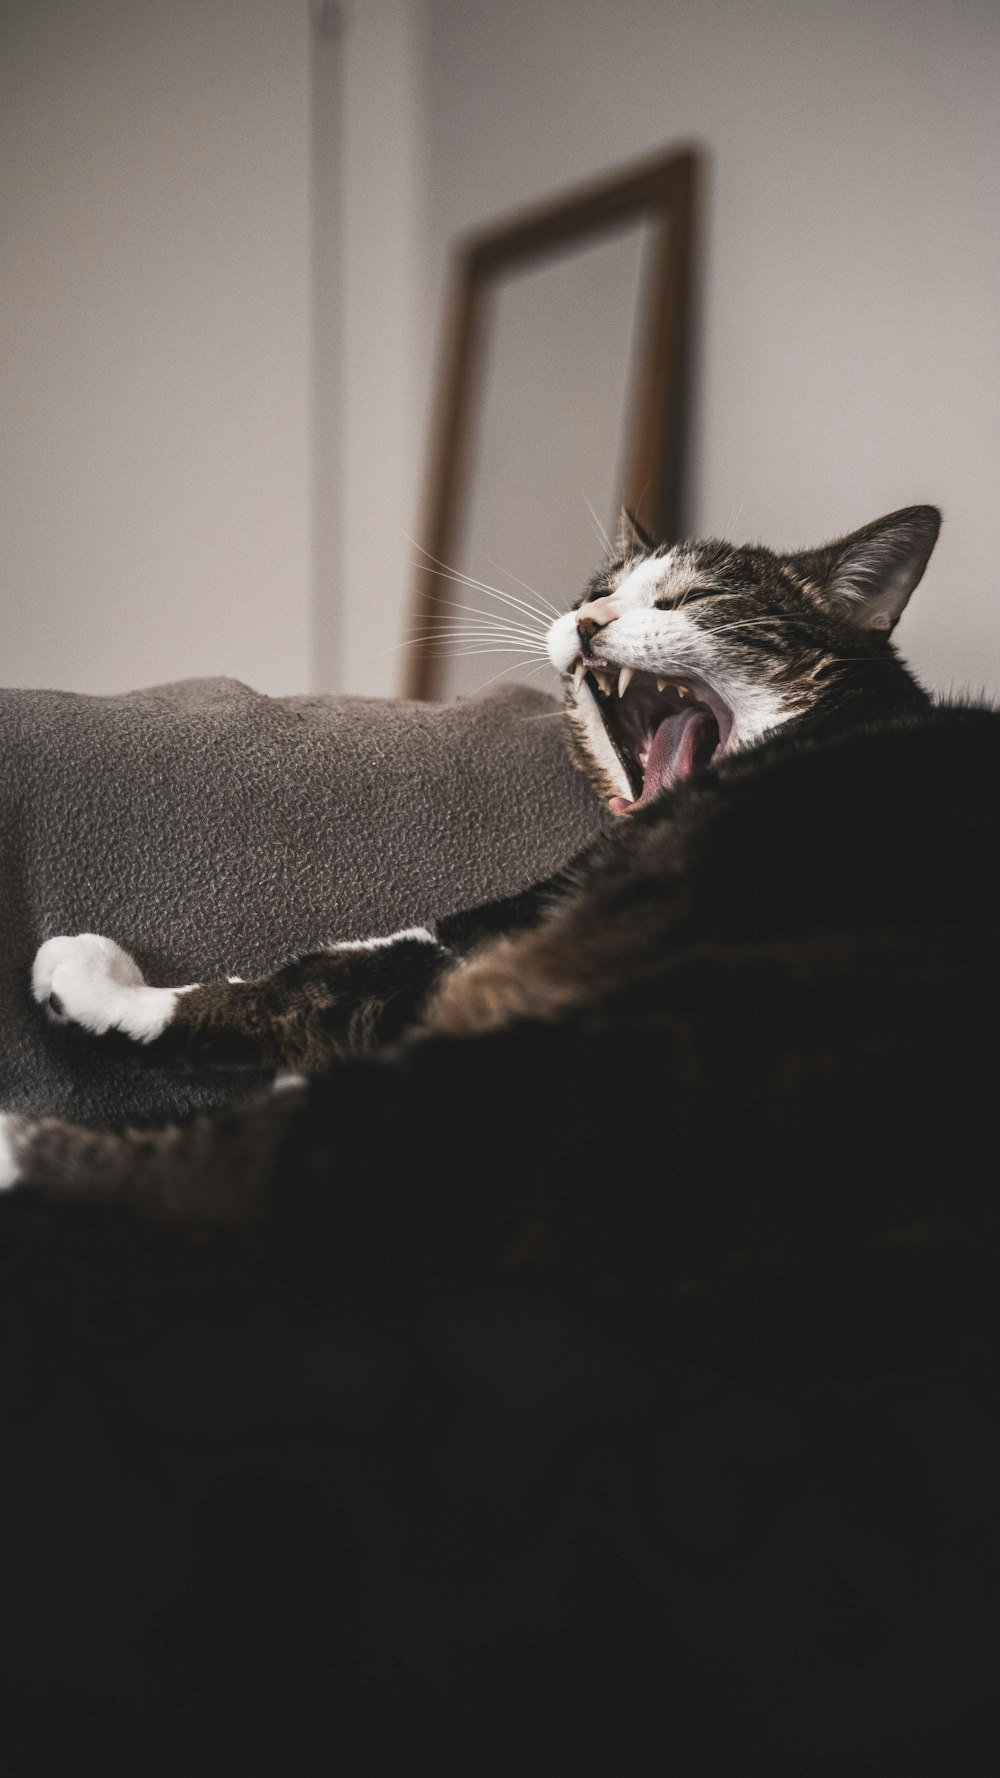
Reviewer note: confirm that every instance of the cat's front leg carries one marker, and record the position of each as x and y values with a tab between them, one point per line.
343	1000
214	1171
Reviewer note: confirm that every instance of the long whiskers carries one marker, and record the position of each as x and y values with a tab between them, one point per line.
518	628
443	572
519	607
529	673
490	632
602	534
495	619
519	582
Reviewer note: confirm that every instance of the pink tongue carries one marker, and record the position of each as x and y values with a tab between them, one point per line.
674	751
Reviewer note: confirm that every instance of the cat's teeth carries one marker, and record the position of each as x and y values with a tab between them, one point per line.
661	684
606	683
644	760
625	677
579	675
682	691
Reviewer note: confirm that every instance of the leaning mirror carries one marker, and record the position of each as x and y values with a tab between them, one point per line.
561	400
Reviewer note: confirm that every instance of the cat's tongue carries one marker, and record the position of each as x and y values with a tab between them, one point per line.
679	743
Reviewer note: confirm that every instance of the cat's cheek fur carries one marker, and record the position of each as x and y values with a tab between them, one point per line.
89	981
562	640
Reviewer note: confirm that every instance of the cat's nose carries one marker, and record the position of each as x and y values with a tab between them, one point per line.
593	617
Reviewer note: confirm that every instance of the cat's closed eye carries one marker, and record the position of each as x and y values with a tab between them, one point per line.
688	598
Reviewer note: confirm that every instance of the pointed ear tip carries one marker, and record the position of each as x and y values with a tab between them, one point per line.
924	519
928	525
915	528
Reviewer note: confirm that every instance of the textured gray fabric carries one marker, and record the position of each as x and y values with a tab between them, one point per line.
213	831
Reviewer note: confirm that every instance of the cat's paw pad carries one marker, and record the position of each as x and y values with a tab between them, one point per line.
88	981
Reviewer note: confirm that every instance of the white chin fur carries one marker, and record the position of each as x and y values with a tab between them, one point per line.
598	745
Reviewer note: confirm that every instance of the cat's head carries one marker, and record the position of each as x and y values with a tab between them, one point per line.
677	656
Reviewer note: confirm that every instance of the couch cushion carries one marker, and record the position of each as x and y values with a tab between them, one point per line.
212	830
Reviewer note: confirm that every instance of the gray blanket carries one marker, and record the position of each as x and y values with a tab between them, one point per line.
215	831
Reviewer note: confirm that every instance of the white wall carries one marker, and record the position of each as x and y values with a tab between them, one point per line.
850	354
212	424
154	342
384	372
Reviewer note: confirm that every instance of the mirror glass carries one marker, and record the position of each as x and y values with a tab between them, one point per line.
545	467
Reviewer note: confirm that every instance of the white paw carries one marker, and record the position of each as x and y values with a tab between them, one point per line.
86	959
8	1149
91	982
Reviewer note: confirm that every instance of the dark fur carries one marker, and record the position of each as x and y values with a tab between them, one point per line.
603	1378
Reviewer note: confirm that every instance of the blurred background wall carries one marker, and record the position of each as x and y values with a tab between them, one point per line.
154	342
223	229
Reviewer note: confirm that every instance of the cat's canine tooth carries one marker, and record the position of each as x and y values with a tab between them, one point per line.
682	691
625	677
661	684
579	675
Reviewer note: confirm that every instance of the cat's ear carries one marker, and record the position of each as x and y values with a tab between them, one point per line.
630	537
868	576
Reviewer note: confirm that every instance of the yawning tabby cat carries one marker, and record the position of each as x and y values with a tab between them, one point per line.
495	1409
674	659
748	713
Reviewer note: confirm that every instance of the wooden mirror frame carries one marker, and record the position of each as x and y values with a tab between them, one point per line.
664	187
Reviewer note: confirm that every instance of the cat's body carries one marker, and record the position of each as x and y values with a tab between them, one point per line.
717	1094
793	703
764	643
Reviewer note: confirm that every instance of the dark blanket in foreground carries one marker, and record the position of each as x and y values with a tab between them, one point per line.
213	831
618	1396
276	1506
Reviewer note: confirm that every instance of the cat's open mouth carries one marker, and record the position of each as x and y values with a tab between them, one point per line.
660	728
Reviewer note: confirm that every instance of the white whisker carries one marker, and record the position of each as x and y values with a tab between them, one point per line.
511	669
474	635
602	534
537	620
519	605
470	580
468	644
528	589
635	510
450	653
476	611
734	521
